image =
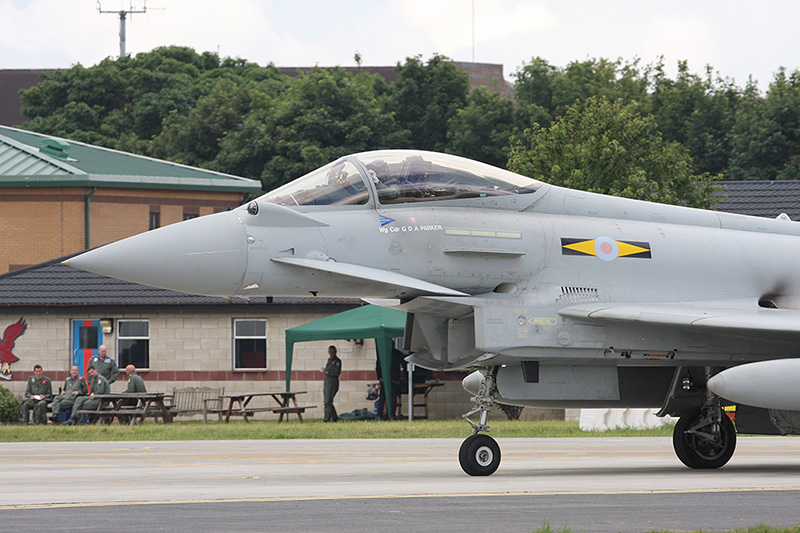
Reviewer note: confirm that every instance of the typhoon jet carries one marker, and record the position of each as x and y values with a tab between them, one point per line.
553	297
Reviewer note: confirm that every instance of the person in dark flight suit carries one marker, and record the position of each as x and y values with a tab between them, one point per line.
331	384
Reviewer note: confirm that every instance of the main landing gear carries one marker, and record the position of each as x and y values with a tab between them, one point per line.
479	454
704	438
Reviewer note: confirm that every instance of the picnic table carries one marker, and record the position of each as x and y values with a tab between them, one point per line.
238	405
122	406
421	390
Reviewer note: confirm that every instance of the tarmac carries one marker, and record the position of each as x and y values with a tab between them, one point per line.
585	484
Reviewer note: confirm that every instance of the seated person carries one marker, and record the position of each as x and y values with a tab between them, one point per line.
38	394
74	386
97	385
135	382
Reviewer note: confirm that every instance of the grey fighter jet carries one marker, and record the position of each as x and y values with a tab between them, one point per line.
560	298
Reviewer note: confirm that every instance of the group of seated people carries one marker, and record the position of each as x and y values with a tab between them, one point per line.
78	392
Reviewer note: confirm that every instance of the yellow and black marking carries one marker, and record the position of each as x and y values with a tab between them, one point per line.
605	248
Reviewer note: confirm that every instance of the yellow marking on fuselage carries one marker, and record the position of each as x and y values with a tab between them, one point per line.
630	249
586	247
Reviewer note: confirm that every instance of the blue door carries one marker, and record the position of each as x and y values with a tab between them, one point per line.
86	338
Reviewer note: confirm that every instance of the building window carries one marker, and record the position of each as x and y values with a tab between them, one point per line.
249	344
133	343
155	220
189	216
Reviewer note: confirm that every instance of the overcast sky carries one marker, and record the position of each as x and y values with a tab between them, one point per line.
738	38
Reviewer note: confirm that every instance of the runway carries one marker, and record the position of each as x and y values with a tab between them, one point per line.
586	484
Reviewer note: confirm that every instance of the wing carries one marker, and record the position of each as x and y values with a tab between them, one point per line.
374	275
718	316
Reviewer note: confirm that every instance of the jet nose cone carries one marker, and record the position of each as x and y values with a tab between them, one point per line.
205	255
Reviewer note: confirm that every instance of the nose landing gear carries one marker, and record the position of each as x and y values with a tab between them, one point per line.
479	454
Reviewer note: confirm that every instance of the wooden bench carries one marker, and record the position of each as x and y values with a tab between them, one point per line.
244	413
296	409
93	415
194	401
128	407
239	405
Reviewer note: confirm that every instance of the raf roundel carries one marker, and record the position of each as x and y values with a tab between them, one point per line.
606	248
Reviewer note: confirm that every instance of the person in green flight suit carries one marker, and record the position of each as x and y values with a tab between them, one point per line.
106	366
74	387
135	382
97	385
38	394
331	384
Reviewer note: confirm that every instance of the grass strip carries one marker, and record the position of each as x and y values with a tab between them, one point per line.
310	429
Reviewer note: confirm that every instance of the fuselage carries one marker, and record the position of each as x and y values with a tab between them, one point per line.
484	259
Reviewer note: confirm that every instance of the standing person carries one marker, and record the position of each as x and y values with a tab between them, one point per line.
135	382
38	394
105	365
97	385
331	384
74	386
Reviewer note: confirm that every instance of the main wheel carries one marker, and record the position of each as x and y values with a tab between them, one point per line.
479	455
703	447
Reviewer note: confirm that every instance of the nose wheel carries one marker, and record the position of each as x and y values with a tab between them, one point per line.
479	455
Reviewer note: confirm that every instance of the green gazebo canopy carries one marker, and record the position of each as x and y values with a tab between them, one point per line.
367	322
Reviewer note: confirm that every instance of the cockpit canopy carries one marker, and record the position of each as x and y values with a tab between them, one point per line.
399	177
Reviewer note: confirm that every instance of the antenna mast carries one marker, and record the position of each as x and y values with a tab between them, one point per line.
123	14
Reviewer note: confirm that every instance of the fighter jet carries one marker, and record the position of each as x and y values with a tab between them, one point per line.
559	298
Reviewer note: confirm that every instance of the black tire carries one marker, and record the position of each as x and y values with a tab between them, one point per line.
697	452
479	455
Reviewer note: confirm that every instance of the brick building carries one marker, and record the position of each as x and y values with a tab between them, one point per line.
59	197
179	340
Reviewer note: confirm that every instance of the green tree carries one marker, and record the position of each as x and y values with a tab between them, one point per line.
544	92
322	115
119	103
610	148
533	92
424	99
697	112
194	137
766	137
482	130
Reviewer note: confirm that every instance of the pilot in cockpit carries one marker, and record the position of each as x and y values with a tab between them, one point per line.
336	174
380	174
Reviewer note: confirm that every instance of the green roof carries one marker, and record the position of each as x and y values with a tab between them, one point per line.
30	159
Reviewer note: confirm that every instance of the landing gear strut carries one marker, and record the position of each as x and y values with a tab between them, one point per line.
704	438
479	454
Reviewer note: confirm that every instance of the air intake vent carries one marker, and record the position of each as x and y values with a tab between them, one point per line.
578	295
55	148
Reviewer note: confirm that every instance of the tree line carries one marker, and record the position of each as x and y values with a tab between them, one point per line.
601	125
